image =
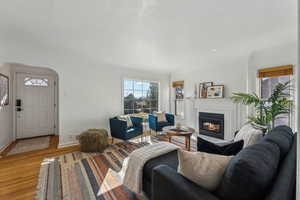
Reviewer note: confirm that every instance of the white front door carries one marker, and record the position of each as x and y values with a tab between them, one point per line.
35	105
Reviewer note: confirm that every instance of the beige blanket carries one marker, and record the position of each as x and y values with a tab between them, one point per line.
134	164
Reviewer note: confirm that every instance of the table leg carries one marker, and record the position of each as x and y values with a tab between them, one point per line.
189	143
186	142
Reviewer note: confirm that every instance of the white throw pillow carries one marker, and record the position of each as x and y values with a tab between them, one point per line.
161	116
250	134
127	119
202	168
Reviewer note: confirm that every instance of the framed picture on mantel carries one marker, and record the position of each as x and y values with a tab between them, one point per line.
203	89
216	91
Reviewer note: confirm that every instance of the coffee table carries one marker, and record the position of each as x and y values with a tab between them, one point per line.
184	131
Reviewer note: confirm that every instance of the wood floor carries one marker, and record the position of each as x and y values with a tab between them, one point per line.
19	173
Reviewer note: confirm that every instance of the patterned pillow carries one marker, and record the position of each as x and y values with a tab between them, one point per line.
161	116
127	119
250	134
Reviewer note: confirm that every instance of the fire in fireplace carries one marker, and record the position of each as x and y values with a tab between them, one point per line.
211	124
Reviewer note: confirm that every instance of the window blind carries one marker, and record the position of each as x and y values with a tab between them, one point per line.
284	70
178	84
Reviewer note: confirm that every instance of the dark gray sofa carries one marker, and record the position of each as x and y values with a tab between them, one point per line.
162	182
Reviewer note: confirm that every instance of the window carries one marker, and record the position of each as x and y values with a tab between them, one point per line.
269	78
140	96
179	98
4	90
268	84
40	82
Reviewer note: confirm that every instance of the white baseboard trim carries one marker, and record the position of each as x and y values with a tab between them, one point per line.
68	144
3	147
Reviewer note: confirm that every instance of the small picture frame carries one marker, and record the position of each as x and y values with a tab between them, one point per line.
215	92
203	89
179	93
4	90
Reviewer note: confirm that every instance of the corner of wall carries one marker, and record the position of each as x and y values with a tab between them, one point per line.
66	140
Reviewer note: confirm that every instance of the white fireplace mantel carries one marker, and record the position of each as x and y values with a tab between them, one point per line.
232	113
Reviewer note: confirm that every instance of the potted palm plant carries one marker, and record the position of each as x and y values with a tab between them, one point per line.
269	109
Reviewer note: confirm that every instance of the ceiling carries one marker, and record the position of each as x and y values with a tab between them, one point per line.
161	35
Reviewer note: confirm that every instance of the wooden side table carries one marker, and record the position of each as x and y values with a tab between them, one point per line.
186	132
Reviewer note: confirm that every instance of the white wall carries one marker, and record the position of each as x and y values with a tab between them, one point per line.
271	57
90	94
230	73
237	74
6	127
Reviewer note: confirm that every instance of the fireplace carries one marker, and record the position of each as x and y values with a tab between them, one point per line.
211	124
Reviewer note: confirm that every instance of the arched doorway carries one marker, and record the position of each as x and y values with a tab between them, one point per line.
35	93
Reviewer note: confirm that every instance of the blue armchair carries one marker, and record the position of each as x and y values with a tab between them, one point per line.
119	129
157	126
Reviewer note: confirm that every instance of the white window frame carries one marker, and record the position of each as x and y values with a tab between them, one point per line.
142	80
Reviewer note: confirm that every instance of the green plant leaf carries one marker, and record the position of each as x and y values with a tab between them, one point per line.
267	110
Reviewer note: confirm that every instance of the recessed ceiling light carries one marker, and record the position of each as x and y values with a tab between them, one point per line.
214	50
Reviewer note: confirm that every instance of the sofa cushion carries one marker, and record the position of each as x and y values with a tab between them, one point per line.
170	159
204	169
285	183
250	173
281	136
129	130
127	119
163	124
161	116
132	132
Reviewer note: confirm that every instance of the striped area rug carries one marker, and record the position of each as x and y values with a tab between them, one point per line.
84	176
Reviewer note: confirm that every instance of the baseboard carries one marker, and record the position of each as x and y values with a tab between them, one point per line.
3	147
67	144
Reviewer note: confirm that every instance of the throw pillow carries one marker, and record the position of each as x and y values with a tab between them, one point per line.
127	119
250	173
202	168
261	127
249	134
161	117
226	149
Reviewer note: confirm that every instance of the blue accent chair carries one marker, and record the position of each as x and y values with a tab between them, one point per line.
119	129
157	126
